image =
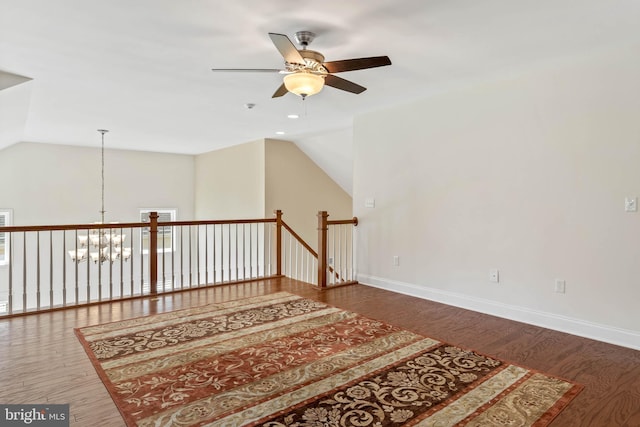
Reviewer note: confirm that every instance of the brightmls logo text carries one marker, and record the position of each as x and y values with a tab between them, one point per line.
34	415
27	416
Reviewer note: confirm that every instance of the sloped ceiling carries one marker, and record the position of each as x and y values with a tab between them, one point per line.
142	68
14	107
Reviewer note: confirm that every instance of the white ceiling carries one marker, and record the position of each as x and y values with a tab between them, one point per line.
141	68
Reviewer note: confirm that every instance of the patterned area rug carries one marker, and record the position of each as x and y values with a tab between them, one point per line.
282	360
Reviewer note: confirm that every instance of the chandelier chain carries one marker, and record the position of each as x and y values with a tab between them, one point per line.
102	211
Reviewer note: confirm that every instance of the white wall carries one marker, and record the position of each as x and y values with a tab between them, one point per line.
61	184
527	175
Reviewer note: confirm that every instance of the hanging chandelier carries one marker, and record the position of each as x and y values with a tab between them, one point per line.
104	244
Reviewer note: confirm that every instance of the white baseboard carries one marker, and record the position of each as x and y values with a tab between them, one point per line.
582	328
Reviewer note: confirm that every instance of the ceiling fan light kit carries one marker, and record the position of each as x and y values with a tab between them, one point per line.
305	71
303	83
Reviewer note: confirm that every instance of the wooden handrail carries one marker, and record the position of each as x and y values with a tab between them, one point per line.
353	221
68	227
218	222
300	239
116	225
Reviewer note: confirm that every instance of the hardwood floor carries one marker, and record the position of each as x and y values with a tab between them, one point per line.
41	360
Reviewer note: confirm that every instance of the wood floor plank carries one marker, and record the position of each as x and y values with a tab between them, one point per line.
42	361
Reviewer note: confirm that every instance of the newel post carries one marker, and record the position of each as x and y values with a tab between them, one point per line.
278	242
322	248
153	252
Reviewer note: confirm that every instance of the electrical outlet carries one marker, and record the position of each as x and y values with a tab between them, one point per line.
396	260
494	275
330	260
560	286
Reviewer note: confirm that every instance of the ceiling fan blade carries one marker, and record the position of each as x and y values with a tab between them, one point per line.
282	90
356	64
248	70
340	83
286	48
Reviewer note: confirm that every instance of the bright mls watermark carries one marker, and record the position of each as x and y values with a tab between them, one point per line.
34	415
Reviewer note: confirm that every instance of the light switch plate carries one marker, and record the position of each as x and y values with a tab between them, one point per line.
631	204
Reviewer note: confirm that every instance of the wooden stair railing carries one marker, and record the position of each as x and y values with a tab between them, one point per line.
324	266
40	275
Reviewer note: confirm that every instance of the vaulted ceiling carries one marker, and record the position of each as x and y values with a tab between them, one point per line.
142	68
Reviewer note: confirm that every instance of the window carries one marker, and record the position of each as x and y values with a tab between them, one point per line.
165	234
5	220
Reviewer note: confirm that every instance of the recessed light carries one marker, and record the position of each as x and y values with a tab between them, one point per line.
280	133
293	116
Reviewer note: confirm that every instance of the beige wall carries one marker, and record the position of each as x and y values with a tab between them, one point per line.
230	183
253	180
61	184
297	186
526	174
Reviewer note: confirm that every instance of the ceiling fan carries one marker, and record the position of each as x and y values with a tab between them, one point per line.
305	70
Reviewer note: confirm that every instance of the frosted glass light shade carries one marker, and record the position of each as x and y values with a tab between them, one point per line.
303	84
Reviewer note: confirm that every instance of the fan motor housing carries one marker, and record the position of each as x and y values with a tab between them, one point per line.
312	55
313	60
